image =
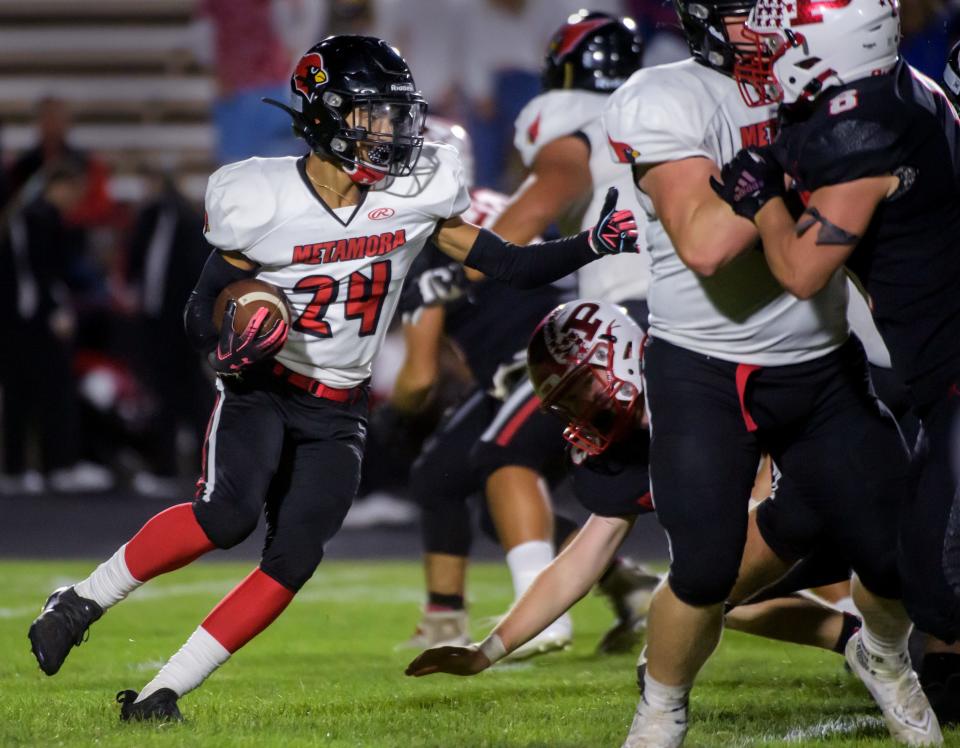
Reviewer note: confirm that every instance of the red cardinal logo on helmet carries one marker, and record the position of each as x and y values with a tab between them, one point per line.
309	74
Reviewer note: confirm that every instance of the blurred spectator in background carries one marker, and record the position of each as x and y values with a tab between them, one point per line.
167	253
37	324
504	42
95	206
352	17
929	28
247	46
430	36
95	209
663	39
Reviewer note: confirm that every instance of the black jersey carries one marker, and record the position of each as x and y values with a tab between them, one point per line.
617	482
909	258
491	323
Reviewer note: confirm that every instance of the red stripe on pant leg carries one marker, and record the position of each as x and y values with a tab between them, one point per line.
516	421
252	606
168	541
744	371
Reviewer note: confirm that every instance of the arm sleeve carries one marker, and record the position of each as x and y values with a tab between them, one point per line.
198	323
531	266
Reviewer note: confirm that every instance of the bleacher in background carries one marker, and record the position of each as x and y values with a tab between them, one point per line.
126	68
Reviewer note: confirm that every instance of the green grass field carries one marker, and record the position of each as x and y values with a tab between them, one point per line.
326	673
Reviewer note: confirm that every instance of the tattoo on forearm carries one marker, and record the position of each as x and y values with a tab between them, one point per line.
829	233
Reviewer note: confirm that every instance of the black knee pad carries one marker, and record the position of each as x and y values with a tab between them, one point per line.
226	523
442	488
706	578
292	571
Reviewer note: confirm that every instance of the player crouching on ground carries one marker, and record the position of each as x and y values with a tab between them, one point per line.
336	231
584	361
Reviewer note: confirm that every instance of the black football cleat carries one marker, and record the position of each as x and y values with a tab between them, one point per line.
62	624
160	706
940	678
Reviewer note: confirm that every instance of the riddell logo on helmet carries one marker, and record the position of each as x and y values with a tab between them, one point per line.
309	74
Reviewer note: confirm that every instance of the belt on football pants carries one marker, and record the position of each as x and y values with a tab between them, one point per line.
317	388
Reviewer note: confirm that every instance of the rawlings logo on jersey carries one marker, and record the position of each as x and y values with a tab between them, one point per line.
309	74
758	134
344	250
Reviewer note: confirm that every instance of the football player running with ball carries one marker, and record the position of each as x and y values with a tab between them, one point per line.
336	231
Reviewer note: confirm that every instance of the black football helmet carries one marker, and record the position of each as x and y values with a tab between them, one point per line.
951	75
706	32
593	52
353	99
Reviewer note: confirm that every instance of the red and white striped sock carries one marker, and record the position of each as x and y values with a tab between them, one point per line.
252	606
169	540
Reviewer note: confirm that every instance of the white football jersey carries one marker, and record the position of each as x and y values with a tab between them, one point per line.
687	110
556	114
341	269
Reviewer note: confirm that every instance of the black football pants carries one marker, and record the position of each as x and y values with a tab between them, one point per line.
845	467
276	449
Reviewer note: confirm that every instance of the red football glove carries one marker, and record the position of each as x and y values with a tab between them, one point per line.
236	352
616	231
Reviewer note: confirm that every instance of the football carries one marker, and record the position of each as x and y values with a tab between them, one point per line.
250	296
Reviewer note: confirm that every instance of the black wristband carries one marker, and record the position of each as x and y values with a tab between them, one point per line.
216	275
529	266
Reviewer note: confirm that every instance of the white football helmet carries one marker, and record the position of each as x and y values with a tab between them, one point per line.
584	363
807	46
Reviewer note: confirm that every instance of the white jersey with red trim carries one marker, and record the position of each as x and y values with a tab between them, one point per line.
559	113
341	269
687	110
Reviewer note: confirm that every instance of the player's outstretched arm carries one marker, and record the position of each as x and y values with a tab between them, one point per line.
803	255
567	579
700	226
538	264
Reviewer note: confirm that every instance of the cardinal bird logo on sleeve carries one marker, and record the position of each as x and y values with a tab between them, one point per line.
309	75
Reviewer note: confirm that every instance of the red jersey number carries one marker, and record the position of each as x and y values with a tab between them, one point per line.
364	300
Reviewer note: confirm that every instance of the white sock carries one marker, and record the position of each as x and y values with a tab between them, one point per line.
190	666
664	698
881	646
110	582
526	561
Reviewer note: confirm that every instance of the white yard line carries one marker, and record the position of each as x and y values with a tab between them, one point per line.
823	730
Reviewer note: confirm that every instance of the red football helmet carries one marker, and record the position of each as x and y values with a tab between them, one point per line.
584	363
